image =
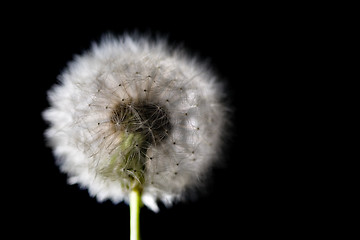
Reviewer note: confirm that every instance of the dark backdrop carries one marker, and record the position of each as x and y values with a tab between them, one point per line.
250	196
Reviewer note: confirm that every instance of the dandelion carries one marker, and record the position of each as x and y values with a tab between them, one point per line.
136	120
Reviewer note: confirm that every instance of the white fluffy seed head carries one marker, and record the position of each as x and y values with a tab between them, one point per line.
133	112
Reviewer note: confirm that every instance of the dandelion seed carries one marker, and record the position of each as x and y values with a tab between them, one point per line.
124	100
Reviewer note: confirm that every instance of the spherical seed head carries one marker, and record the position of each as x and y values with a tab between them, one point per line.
134	113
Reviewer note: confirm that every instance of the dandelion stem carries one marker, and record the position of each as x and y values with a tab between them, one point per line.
135	202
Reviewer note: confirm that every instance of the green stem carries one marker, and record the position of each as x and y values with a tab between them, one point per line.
135	202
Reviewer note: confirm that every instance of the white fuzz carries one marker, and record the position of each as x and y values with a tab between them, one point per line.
133	112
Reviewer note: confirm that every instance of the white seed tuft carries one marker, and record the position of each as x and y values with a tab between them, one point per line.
133	112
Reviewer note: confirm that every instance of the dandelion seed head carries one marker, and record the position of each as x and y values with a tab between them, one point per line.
133	112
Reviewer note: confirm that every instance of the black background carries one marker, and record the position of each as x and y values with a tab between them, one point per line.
254	194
